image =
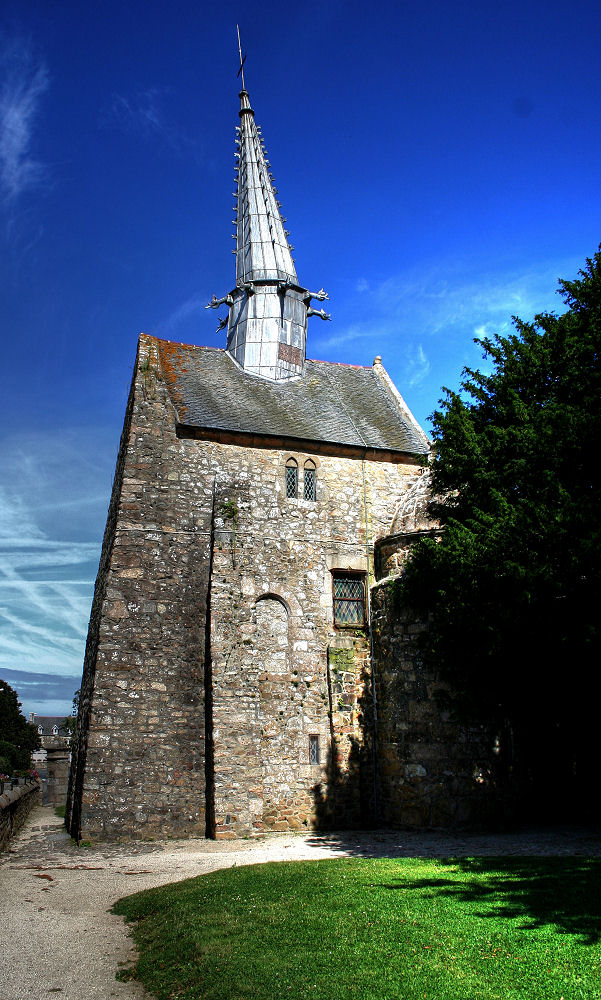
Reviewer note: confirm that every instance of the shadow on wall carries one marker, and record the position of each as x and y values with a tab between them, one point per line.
346	800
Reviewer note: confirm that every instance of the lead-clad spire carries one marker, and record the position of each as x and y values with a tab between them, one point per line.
262	248
268	309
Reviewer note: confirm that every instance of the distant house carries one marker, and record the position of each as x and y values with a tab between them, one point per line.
53	759
51	731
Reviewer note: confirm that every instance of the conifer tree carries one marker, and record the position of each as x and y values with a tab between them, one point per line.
512	591
18	738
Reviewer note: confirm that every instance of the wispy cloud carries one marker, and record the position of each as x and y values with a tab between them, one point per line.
418	367
44	694
143	114
424	322
23	81
49	549
188	311
447	301
442	297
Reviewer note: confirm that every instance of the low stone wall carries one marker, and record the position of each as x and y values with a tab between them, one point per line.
15	806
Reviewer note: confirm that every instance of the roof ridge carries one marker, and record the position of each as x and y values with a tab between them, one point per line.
342	364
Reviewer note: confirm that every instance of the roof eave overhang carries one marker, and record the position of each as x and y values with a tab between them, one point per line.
248	439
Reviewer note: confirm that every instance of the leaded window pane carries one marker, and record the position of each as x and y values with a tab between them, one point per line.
310	485
314	749
291	481
349	600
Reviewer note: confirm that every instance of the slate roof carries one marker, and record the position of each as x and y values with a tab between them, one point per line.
334	403
47	722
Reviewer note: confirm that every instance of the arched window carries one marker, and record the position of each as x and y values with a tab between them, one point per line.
41	730
291	478
55	730
310	481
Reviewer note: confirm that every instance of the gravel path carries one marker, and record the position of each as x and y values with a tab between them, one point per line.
59	938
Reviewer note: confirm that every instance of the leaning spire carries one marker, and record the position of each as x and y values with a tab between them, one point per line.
268	309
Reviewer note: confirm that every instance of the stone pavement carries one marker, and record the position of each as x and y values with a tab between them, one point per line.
59	938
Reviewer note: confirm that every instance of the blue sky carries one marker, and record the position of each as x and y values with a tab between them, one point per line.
438	166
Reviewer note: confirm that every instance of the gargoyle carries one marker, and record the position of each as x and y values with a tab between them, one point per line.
222	324
318	312
227	300
320	296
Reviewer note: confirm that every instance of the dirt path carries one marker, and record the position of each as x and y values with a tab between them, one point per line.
58	937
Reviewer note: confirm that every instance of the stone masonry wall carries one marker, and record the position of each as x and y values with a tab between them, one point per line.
15	806
202	695
432	771
140	765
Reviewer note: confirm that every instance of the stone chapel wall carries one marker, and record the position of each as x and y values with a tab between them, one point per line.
139	766
200	703
431	769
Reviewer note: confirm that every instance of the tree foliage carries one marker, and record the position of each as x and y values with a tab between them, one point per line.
68	726
18	738
512	590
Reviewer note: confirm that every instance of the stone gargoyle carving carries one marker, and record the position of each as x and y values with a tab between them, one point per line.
227	300
318	312
320	296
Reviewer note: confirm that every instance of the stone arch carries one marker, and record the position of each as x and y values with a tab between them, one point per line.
291	477
269	596
272	618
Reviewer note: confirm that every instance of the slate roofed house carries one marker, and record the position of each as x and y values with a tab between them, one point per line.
227	677
51	729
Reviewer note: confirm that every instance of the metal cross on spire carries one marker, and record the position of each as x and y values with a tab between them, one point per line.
242	60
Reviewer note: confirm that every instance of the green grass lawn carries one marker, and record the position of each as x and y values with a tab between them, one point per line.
352	929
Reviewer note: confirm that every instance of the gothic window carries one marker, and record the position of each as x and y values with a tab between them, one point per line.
291	478
349	599
55	730
314	749
310	481
40	730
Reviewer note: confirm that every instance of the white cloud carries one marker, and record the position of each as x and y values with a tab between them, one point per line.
139	113
423	322
52	512
418	367
194	307
22	84
43	612
143	114
447	296
446	302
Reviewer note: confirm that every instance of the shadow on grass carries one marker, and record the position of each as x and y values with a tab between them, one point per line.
561	892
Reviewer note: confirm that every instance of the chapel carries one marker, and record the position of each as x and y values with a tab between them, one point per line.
241	674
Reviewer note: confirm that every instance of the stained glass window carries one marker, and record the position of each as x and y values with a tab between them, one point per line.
291	478
349	599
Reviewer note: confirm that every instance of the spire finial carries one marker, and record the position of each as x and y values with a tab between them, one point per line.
242	61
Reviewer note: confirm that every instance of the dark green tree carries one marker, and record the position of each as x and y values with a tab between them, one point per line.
18	738
68	726
512	591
